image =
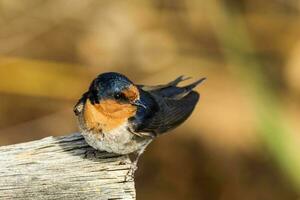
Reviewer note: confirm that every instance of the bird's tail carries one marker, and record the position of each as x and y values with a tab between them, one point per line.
178	80
193	85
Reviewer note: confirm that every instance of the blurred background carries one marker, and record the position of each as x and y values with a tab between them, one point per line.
242	141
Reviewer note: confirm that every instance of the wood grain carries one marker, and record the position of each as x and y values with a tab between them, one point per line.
62	168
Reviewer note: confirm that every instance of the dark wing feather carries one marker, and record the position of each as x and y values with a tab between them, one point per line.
78	108
171	113
169	107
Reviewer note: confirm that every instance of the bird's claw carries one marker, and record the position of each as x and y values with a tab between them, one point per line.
130	173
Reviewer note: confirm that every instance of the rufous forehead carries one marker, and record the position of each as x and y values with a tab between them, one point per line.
132	92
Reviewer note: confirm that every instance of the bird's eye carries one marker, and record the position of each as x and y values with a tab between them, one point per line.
119	96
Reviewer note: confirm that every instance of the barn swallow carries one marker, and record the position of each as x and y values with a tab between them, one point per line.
118	116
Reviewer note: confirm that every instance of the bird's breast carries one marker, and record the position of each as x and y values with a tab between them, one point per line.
119	140
105	127
107	115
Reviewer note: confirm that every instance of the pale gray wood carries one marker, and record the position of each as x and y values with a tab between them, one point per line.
62	168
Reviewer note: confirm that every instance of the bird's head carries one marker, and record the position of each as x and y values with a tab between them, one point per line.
114	87
110	101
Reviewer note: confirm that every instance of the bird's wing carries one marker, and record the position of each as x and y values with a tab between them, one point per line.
171	113
170	106
78	108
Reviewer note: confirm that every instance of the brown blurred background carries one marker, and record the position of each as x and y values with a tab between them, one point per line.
242	141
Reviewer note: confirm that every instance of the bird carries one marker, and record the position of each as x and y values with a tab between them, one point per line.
118	116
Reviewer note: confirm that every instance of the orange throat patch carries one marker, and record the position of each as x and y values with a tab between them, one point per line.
107	115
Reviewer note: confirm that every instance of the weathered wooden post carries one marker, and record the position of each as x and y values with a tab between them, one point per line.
63	168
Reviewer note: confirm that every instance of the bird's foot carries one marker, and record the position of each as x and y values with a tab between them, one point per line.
90	153
130	174
122	162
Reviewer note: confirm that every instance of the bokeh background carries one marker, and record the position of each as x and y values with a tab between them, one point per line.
242	141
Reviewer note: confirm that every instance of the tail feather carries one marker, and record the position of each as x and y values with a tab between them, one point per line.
193	85
173	83
176	92
185	90
178	80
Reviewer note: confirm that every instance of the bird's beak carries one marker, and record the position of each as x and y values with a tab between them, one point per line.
138	102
